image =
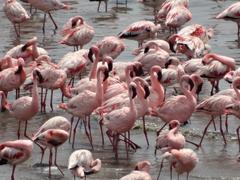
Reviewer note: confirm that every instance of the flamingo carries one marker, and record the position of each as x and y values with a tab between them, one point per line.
47	6
110	46
15	13
216	66
8	62
141	171
232	14
177	17
28	51
86	102
183	160
52	138
78	36
15	152
12	78
56	122
81	163
140	31
153	56
162	44
116	126
172	139
216	104
25	107
181	103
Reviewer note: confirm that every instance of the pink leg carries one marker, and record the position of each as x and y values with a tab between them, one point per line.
52	20
160	170
89	128
44	101
70	135
145	131
205	130
51	100
126	145
214	125
44	21
50	162
85	127
221	130
16	30
55	161
13	170
25	130
19	128
101	129
74	133
237	130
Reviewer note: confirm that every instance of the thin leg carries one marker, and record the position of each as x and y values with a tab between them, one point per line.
55	162
16	31
158	131
171	171
99	3
205	130
13	170
44	101
41	99
106	5
126	145
43	152
50	162
70	133
101	129
86	132
44	21
25	130
19	128
238	138
52	20
51	100
74	132
89	128
214	125
187	175
226	123
221	130
161	166
145	131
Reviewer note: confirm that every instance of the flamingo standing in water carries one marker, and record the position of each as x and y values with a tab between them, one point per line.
141	171
183	160
78	36
81	163
116	126
86	102
56	122
12	78
215	105
15	152
232	14
172	139
140	31
182	103
25	107
52	138
47	6
177	17
15	13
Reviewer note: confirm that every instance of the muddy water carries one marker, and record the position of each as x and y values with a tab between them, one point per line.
216	161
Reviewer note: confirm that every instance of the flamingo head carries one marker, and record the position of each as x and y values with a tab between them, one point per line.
138	69
174	123
143	166
133	90
36	74
77	20
93	50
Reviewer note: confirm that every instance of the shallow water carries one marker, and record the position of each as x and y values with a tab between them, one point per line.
216	161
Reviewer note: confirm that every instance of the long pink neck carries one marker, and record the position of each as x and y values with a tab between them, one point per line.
93	72
186	92
35	94
157	87
127	74
99	93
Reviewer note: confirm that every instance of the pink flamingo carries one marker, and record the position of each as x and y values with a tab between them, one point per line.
81	163
197	30
191	46
8	62
52	138
167	5
172	139
111	46
216	66
232	13
117	126
177	17
162	44
216	104
86	102
28	51
173	107
47	6
141	171
78	36
15	152
12	78
183	160
15	13
75	62
25	107
56	122
140	31
153	55
71	23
